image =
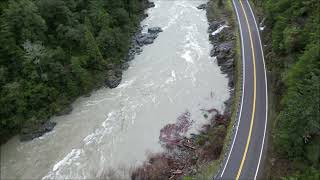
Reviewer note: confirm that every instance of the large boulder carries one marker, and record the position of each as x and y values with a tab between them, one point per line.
226	69
226	34
30	133
213	52
150	4
202	6
225	47
146	38
113	78
223	51
213	26
229	63
154	30
142	38
138	50
148	41
132	52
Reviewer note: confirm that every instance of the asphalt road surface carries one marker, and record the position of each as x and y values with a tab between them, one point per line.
243	161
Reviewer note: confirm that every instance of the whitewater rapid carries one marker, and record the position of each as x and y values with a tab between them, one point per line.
115	129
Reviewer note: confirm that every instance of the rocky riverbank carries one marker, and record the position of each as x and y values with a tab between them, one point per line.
185	156
112	80
221	36
140	39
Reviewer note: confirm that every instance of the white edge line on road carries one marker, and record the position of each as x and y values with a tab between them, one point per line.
265	76
243	82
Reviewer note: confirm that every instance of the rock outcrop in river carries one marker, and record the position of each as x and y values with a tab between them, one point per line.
28	134
223	49
114	73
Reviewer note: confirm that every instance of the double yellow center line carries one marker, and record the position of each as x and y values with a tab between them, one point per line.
254	94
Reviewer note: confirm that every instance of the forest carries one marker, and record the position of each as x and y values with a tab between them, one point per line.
53	51
295	61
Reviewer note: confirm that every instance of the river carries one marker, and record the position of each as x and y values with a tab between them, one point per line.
117	128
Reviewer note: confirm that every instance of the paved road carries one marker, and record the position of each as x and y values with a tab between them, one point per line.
246	151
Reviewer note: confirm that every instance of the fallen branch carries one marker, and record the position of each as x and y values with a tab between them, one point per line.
188	146
172	177
177	172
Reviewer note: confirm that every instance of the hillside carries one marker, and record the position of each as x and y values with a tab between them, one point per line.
293	37
54	51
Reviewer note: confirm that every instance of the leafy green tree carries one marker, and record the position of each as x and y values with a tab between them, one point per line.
23	20
296	48
95	60
52	51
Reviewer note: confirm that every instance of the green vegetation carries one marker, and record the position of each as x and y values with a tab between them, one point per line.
295	61
53	51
